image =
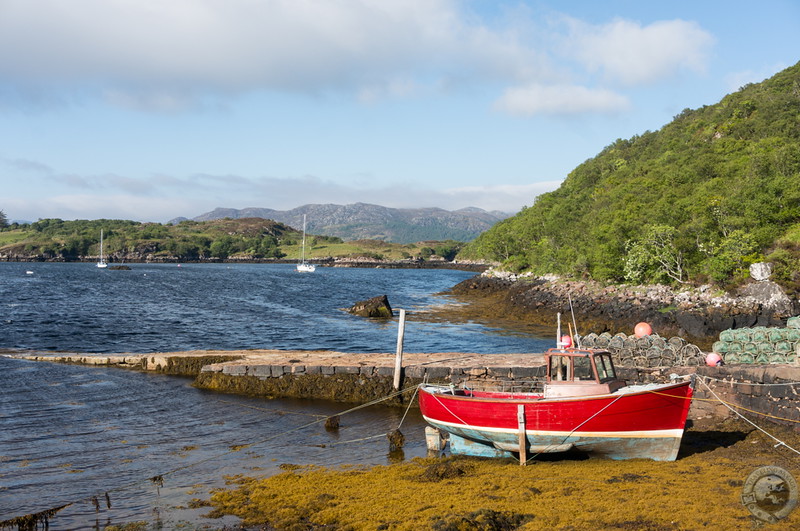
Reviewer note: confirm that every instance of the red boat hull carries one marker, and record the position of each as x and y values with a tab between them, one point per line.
638	422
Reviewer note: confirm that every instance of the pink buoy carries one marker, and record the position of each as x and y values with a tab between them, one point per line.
713	360
642	329
566	341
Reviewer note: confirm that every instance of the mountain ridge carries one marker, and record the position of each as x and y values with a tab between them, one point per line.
360	221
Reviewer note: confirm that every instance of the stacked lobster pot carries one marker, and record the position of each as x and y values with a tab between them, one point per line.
760	344
646	351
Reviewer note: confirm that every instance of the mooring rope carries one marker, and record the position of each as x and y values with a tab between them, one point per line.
780	442
462	421
576	428
362	439
734	382
408	408
32	520
728	404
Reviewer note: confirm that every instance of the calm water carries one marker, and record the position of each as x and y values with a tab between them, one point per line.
70	433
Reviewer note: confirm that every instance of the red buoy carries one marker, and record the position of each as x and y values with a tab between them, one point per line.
642	329
566	341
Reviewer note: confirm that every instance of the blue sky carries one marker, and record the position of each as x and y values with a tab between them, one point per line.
149	110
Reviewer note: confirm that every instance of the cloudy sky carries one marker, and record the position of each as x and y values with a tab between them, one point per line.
152	109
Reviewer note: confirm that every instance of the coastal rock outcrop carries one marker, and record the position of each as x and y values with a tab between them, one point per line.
698	314
375	307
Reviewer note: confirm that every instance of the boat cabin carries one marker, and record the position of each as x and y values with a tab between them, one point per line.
579	372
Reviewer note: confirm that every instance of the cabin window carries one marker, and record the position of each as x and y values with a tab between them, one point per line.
605	368
560	368
583	369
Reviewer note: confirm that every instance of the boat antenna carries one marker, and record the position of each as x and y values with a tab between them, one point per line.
572	311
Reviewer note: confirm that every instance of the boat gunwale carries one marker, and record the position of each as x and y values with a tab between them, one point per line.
619	393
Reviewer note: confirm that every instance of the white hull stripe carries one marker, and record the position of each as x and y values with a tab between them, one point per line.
638	434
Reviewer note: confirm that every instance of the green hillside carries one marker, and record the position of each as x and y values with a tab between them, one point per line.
698	201
222	239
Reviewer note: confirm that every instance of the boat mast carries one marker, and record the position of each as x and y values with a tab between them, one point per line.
303	259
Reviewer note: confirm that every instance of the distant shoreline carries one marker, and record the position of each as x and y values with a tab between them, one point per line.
477	267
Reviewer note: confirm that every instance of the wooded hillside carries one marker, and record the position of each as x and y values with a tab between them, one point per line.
698	201
235	239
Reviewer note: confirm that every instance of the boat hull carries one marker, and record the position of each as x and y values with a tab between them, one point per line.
622	425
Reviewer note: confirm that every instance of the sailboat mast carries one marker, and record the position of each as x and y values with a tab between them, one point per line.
304	238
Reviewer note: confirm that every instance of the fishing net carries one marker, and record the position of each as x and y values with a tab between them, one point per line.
761	344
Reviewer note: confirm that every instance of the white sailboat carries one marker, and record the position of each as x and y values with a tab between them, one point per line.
303	267
102	263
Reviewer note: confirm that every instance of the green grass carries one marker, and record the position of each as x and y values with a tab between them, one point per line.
366	248
792	235
13	236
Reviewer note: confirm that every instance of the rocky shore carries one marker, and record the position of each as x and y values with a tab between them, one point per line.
697	314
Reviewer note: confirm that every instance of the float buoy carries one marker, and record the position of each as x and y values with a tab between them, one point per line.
642	329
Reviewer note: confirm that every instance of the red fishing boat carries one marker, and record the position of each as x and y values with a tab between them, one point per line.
581	405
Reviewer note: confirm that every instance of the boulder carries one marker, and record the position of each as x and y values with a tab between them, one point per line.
770	295
374	307
761	271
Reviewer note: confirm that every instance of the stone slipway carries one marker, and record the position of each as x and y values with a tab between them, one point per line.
340	376
276	363
434	366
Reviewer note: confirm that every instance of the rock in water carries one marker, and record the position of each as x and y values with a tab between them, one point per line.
374	307
396	440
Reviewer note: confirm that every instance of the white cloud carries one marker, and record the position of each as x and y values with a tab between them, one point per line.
629	53
97	206
183	54
158	55
560	99
161	198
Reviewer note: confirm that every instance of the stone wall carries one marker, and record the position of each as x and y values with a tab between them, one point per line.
772	391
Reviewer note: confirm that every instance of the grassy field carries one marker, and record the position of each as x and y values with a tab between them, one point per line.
358	248
11	237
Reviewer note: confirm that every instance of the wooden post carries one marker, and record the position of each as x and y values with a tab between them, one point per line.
398	360
522	442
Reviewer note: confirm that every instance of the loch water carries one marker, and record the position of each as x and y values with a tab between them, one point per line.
152	443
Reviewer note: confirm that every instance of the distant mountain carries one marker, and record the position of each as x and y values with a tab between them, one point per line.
361	221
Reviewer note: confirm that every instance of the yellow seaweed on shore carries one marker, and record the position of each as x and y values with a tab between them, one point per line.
699	491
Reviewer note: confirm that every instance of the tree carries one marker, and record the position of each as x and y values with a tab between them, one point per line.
654	255
732	255
3	220
448	249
